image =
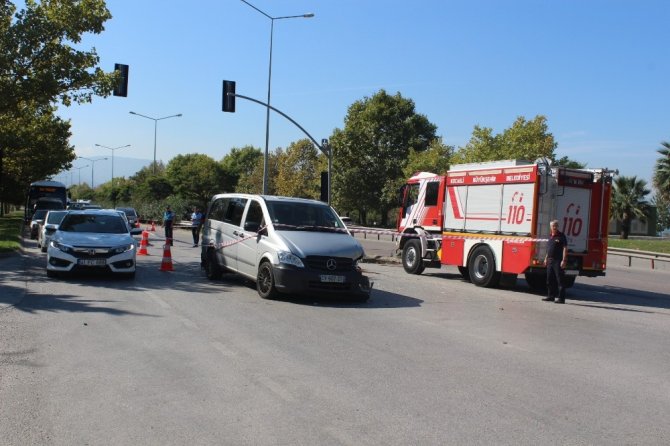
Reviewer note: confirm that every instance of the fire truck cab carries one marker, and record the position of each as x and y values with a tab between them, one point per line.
491	220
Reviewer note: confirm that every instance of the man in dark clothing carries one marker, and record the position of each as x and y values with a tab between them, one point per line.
555	261
168	219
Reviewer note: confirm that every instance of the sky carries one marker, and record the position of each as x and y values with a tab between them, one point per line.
598	70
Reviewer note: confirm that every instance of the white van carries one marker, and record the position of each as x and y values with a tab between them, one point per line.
286	245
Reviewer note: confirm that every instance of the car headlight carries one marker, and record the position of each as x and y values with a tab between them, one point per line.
122	249
290	259
60	246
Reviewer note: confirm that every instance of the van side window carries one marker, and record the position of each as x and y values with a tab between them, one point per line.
255	213
218	209
233	213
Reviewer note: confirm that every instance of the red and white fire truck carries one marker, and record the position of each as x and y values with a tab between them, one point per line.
491	220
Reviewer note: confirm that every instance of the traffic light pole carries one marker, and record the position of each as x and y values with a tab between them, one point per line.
324	147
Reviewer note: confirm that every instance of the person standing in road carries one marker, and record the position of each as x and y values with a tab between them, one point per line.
168	220
555	261
196	224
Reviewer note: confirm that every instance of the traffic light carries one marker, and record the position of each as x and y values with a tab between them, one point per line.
228	96
121	88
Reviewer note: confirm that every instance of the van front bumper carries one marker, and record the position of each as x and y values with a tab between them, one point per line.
303	281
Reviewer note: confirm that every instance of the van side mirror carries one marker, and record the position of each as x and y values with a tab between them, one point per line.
251	226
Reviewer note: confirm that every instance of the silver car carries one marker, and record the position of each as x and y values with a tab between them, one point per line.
51	222
92	240
288	246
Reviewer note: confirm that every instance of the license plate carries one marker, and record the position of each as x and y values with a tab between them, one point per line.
332	279
92	262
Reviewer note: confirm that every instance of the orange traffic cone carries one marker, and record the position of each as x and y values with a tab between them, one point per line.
153	226
166	264
143	244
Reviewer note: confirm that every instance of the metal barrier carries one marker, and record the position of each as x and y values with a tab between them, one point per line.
653	257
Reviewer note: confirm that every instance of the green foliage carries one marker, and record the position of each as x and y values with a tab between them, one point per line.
662	203
298	172
527	140
10	231
629	202
567	162
237	164
42	62
654	245
195	177
661	178
372	150
435	159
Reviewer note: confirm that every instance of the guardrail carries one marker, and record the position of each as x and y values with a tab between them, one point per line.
653	257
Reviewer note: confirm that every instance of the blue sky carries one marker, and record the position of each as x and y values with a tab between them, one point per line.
597	69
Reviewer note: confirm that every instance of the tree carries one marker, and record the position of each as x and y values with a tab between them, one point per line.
195	177
662	204
629	202
435	159
252	182
298	171
661	178
41	62
238	163
527	140
372	150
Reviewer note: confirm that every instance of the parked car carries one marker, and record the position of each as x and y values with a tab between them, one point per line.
36	221
286	245
131	214
51	222
92	240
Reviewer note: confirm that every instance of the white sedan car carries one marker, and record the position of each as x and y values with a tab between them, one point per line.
51	222
92	240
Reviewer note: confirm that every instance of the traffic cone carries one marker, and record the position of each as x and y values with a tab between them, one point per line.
153	226
166	264
143	244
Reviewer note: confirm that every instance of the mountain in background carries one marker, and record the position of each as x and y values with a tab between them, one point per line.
102	172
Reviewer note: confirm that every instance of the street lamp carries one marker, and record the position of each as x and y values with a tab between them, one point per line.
93	161
79	169
155	120
267	114
113	149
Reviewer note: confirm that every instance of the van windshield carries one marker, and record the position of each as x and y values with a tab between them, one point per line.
304	216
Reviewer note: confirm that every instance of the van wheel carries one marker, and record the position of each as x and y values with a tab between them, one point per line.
265	282
464	272
482	268
411	257
212	268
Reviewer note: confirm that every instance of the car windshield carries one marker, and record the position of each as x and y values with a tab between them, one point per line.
54	218
129	212
303	216
101	224
40	214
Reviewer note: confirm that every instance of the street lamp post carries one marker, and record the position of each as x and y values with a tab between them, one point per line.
92	161
113	149
155	120
79	169
267	114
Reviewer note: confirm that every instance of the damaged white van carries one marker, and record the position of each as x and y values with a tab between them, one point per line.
288	246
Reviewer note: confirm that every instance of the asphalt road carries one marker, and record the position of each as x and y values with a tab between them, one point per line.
171	358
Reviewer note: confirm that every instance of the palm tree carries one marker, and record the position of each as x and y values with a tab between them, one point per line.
662	171
629	202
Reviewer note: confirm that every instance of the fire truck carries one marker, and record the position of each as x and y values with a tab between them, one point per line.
491	220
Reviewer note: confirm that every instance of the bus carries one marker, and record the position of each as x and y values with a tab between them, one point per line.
45	195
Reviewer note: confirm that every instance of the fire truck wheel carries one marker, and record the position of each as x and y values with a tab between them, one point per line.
464	272
482	268
411	257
